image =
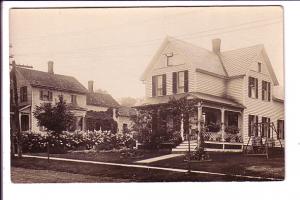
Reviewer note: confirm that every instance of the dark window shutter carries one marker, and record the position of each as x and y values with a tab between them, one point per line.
269	130
154	86
50	96
282	129
174	82
249	125
256	87
256	127
269	91
164	84
278	131
41	94
25	94
186	81
262	90
249	87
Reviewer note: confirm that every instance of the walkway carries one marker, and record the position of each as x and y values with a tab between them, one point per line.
153	167
150	160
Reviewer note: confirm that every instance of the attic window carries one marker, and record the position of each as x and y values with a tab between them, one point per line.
259	67
168	58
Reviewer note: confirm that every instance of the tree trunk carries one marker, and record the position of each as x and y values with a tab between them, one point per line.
16	111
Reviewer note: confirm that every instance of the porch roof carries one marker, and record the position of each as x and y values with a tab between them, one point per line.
195	95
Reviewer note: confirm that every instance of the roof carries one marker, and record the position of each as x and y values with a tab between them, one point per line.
224	64
201	96
101	99
52	81
197	56
126	111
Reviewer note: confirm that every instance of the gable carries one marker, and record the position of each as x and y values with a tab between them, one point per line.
169	57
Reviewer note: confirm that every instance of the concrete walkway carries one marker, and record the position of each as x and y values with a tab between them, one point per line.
153	167
150	160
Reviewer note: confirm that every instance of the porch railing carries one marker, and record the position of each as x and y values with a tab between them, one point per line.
217	137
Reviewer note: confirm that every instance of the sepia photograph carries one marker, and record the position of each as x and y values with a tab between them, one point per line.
147	94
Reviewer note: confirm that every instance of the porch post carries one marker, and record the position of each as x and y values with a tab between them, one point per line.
181	128
223	124
199	106
83	123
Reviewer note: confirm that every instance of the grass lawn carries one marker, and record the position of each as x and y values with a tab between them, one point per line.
222	163
233	163
105	173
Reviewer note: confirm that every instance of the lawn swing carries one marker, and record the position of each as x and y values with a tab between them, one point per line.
261	139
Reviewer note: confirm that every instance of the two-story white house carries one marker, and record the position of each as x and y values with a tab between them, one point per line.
37	87
234	89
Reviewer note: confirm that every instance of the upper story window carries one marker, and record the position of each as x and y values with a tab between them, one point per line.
180	82
266	91
253	87
259	66
159	85
74	99
168	58
45	95
23	94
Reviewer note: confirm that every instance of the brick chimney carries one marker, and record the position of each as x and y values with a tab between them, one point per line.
50	67
216	45
90	86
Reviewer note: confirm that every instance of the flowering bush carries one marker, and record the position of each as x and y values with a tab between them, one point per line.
79	140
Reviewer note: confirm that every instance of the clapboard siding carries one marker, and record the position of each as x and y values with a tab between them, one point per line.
210	84
273	109
235	89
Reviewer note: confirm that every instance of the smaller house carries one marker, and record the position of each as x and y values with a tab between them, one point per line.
124	118
37	87
101	109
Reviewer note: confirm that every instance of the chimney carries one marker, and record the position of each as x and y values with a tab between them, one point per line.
90	85
50	67
216	45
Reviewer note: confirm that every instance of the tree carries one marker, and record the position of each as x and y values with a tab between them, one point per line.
55	119
128	101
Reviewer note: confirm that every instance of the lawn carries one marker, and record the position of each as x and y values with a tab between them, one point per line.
223	163
109	173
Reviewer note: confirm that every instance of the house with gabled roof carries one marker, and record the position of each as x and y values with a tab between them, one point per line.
100	106
234	90
37	87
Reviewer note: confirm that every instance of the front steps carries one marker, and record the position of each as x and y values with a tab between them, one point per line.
184	147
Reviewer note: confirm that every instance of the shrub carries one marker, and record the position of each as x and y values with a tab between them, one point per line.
79	140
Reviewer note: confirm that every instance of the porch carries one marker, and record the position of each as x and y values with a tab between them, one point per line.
221	124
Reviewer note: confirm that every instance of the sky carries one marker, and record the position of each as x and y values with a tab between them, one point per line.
113	46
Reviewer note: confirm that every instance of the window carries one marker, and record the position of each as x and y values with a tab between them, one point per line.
159	85
45	95
180	82
23	94
266	93
168	59
259	67
280	129
253	87
265	127
180	88
24	122
74	99
252	125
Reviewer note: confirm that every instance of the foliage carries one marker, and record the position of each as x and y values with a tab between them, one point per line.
198	154
128	101
213	127
232	130
56	118
100	140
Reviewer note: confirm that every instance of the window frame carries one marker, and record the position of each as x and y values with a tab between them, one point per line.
23	94
74	99
47	97
253	88
180	88
159	90
266	87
